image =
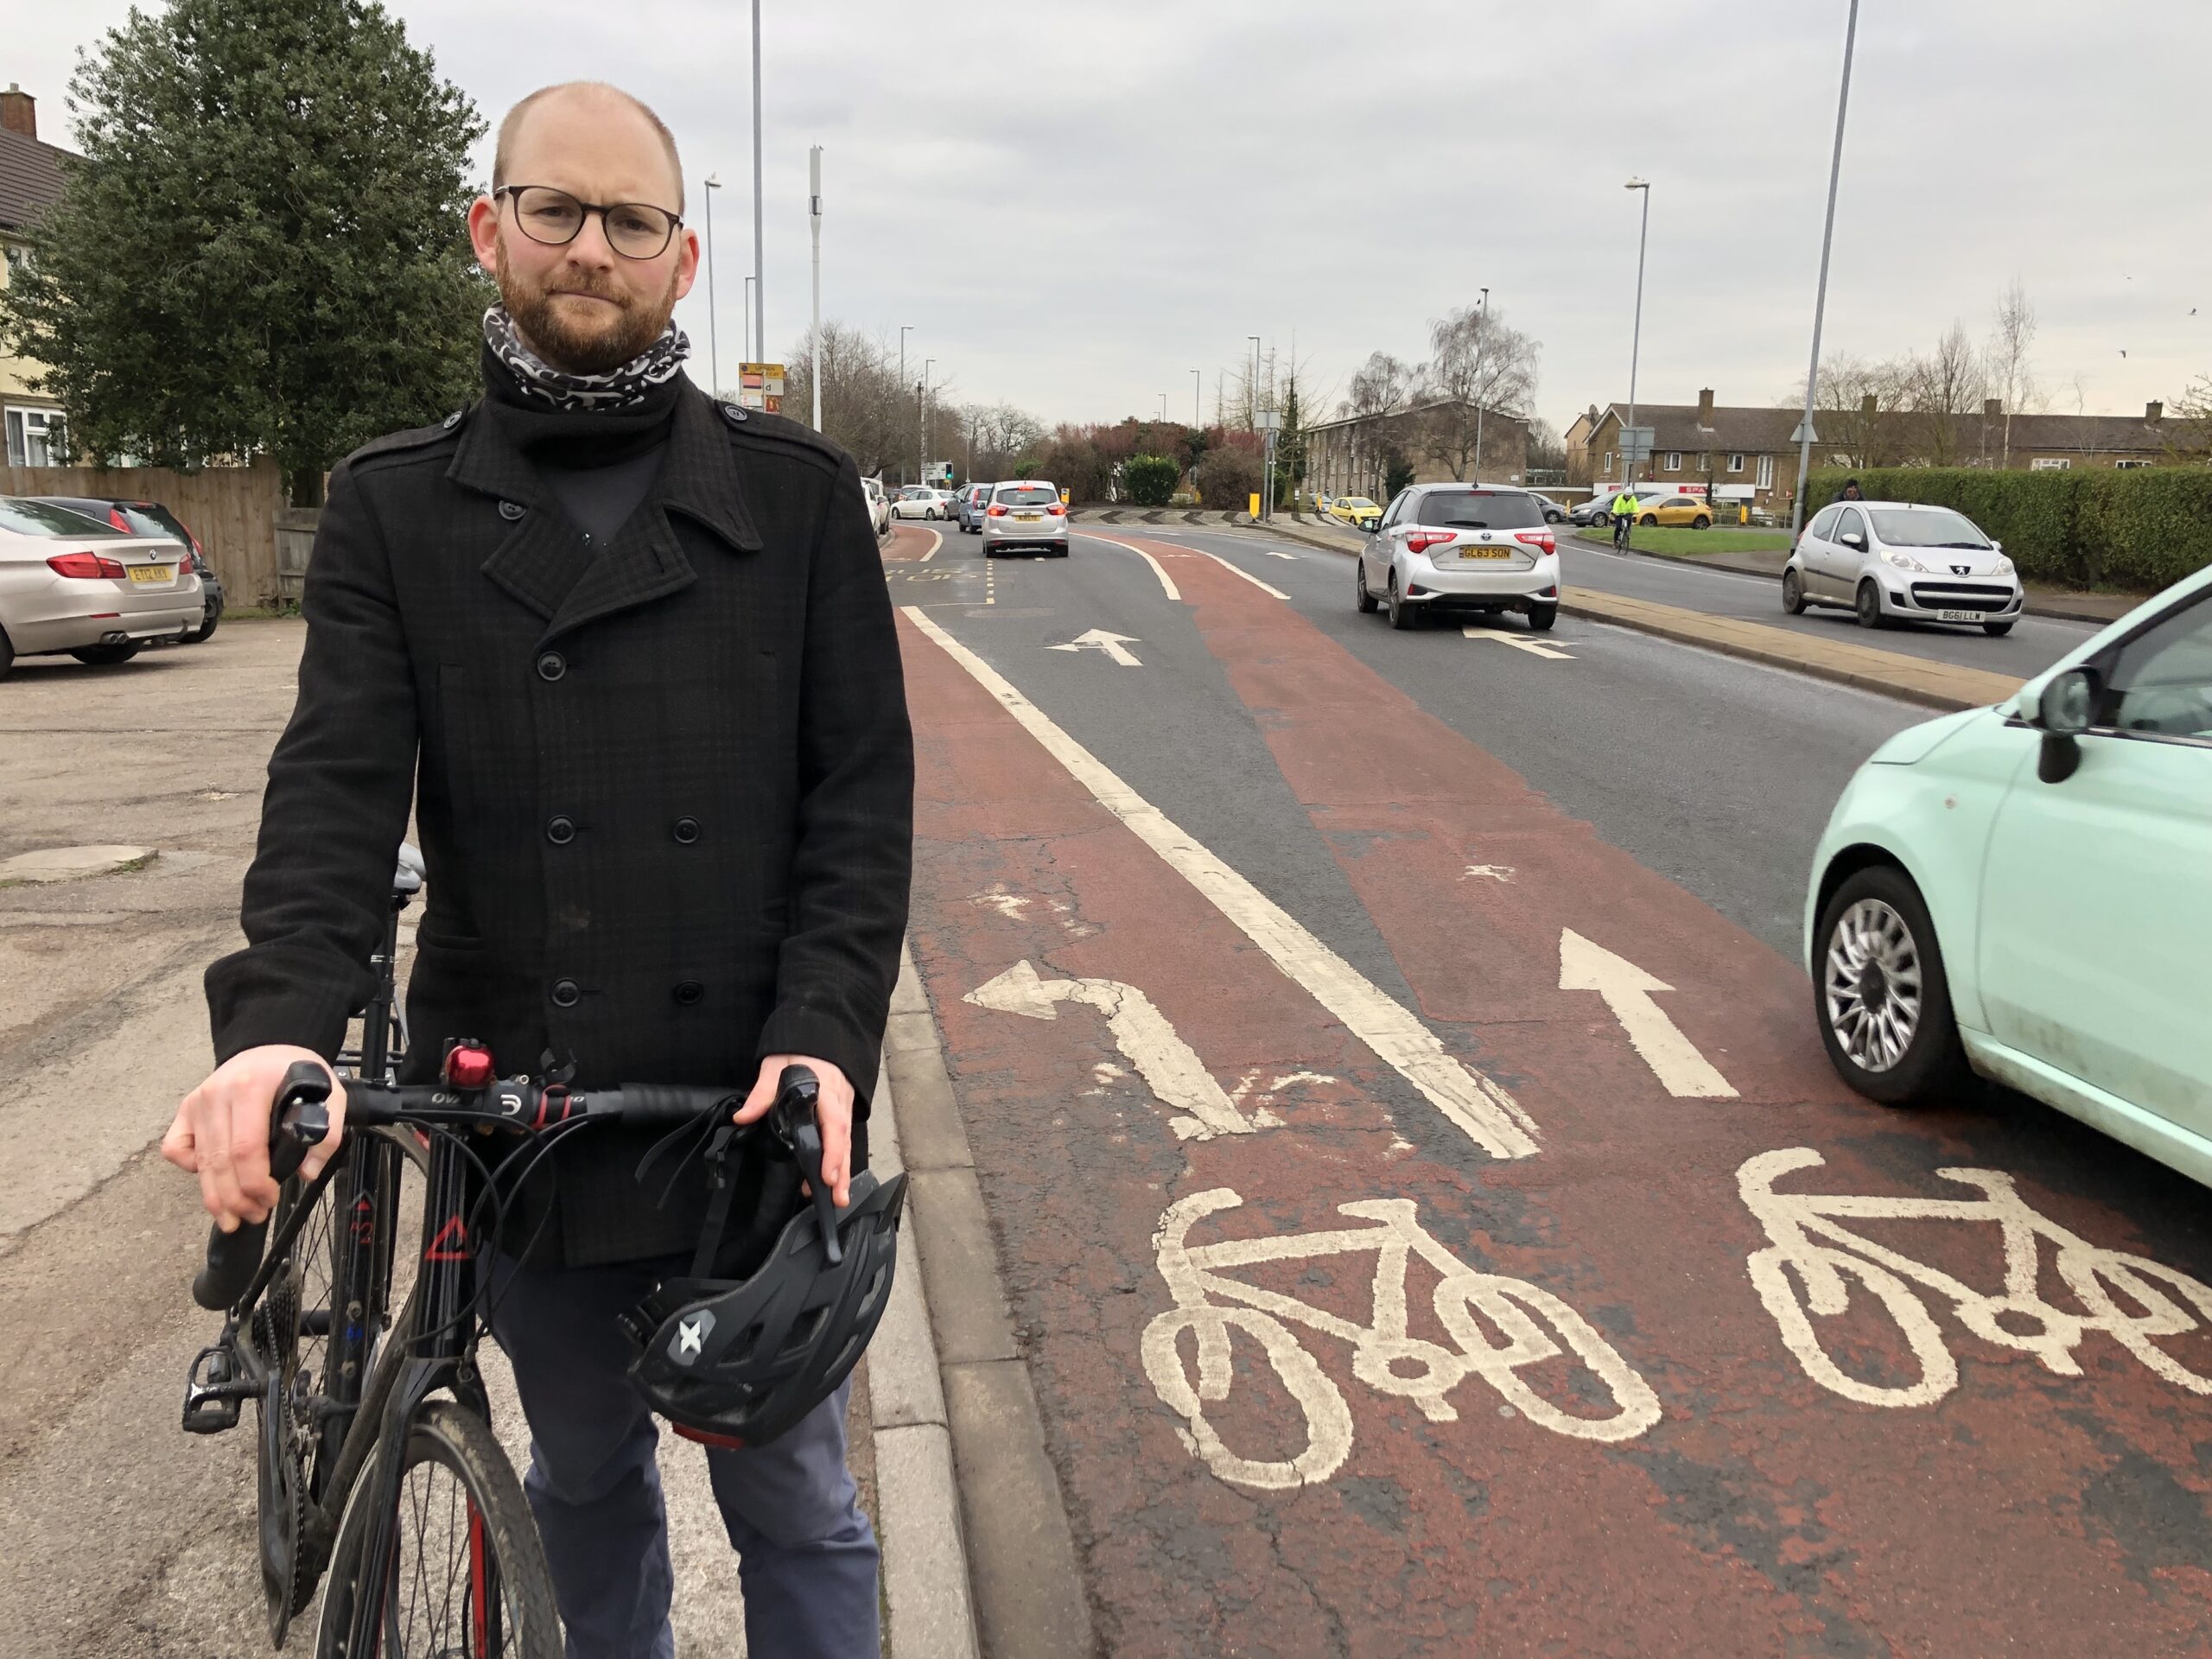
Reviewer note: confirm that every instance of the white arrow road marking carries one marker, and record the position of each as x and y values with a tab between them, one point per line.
1681	1070
1114	645
1477	1105
1533	647
1174	1074
1273	553
1494	872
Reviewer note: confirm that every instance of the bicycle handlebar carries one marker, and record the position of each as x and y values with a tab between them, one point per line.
298	1118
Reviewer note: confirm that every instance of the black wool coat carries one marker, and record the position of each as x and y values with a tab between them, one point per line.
664	785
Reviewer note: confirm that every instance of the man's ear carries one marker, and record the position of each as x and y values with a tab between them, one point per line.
484	231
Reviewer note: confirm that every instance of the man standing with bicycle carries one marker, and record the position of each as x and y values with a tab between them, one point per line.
629	654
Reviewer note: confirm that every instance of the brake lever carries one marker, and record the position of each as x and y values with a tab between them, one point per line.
798	1095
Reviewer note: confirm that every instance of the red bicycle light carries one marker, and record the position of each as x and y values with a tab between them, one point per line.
468	1065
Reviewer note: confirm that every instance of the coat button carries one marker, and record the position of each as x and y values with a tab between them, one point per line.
511	511
552	665
560	830
689	991
566	994
687	830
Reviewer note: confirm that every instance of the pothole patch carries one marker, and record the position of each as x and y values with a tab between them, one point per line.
73	863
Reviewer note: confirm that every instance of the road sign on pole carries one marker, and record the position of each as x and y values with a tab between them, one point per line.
1636	443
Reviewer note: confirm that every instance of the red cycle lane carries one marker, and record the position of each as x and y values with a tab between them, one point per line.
1588	1432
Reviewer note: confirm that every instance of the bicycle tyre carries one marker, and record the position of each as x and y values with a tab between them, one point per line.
523	1622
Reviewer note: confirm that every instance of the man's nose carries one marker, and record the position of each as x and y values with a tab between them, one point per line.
590	246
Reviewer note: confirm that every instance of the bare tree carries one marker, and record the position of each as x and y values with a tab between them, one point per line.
864	407
1947	384
999	438
1381	389
2192	422
1481	367
2010	342
1854	433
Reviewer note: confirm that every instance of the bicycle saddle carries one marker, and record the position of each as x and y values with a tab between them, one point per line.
407	879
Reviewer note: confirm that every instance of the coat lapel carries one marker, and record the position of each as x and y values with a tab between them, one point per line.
549	569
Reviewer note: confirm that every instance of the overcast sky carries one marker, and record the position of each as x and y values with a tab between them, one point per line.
1075	203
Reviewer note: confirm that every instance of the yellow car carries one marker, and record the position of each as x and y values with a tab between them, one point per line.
1689	510
1357	510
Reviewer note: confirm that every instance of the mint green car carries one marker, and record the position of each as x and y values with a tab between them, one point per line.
2024	892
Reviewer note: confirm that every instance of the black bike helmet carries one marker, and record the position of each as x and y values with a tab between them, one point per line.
737	1361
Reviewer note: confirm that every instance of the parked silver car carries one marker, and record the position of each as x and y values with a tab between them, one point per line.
71	584
1027	513
1902	561
968	507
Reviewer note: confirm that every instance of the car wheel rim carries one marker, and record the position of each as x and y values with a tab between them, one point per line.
1871	985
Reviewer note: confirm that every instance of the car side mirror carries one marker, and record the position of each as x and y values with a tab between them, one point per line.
2063	713
1852	538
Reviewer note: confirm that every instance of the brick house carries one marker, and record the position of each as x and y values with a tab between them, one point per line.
30	181
1350	455
1748	456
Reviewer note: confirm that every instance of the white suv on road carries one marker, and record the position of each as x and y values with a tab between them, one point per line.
1461	547
1901	560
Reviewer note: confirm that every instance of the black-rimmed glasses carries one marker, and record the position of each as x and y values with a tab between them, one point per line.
636	230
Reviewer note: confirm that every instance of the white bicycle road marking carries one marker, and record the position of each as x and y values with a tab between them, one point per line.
1476	1104
1176	1076
1809	1241
1210	1305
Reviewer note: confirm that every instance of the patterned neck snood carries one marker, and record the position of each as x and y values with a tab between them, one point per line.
625	388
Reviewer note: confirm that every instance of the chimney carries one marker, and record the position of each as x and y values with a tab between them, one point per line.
18	111
1866	405
1992	409
2153	413
1705	408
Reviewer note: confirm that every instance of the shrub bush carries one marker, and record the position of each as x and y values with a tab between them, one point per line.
2141	529
1075	466
1228	478
1150	480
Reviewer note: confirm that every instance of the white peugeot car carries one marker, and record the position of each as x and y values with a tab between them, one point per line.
1902	561
1461	547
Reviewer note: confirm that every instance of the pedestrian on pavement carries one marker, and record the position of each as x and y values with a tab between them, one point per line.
1626	507
630	654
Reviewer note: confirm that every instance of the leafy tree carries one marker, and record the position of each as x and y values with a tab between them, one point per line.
1229	476
263	247
1397	470
1290	445
1150	480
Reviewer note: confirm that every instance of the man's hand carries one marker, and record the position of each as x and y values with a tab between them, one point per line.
833	1111
221	1132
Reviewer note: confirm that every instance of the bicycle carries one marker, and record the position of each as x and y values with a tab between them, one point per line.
1384	1356
350	1452
1797	1223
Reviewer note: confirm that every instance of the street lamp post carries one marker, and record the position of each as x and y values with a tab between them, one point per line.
1636	339
759	286
1821	293
714	345
1198	385
813	213
1253	390
904	329
748	319
921	422
1482	351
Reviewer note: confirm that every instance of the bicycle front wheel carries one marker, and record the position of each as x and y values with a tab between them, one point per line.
465	1574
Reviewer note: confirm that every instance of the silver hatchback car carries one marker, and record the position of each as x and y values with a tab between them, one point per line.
1902	561
1026	513
71	584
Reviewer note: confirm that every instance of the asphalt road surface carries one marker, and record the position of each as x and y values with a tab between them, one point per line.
1432	1222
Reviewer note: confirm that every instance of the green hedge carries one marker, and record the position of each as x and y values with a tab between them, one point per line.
1150	480
2141	529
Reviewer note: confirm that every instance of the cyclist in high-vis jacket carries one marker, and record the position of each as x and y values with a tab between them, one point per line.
1626	507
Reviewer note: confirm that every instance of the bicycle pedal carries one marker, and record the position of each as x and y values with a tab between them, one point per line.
210	1404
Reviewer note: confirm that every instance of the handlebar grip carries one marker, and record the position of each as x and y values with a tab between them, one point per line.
798	1092
232	1257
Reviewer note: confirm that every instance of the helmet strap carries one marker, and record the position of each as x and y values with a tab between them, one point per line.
722	1190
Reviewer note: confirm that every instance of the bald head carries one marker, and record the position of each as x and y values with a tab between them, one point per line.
580	103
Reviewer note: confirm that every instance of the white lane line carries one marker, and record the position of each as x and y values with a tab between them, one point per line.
1165	581
1647	559
1479	1107
1275	592
936	541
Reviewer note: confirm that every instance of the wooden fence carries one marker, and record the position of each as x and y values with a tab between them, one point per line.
234	511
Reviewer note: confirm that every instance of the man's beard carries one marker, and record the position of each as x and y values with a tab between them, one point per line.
557	338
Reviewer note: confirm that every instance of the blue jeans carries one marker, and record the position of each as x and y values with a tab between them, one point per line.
806	1554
